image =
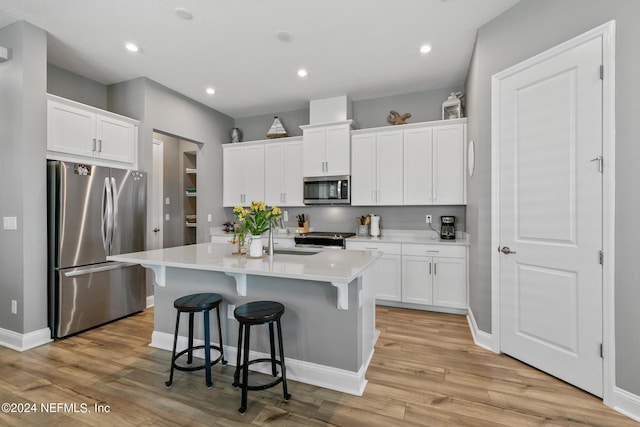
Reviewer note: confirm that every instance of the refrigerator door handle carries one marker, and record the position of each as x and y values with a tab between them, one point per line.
106	215
114	213
88	270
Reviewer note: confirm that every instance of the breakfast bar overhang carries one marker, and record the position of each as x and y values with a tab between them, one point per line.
329	321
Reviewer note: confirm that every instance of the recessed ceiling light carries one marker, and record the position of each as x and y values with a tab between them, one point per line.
284	35
132	47
211	91
183	13
302	72
425	48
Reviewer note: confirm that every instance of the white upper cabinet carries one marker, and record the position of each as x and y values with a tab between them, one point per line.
326	149
434	164
243	174
376	169
283	173
79	132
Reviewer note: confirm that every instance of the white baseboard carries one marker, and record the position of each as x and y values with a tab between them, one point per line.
22	342
297	370
150	301
482	339
626	403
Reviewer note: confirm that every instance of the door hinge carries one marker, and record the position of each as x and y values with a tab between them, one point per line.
601	351
601	257
602	72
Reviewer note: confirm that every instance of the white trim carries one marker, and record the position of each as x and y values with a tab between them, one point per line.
626	403
22	342
481	338
607	33
157	183
150	301
297	370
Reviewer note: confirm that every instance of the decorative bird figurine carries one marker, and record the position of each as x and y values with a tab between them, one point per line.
396	119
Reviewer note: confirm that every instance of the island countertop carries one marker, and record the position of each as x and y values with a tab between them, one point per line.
332	265
335	266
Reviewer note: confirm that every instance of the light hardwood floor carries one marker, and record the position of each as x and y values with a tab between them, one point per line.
426	371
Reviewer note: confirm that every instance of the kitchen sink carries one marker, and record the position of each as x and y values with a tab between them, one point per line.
296	251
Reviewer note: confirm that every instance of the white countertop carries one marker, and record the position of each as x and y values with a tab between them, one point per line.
424	237
332	265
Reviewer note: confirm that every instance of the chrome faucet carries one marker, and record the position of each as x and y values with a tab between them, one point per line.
270	246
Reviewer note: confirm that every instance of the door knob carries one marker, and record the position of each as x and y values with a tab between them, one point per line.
155	230
506	250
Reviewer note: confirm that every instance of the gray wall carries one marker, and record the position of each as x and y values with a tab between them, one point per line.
23	113
72	86
163	110
527	29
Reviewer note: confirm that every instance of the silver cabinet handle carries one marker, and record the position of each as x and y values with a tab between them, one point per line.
99	146
93	145
435	267
506	250
429	268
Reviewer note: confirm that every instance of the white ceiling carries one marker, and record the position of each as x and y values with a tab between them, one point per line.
361	48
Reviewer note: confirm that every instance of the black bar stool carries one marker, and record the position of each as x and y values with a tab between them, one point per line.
193	304
258	313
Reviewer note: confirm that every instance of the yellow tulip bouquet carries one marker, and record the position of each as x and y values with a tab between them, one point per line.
257	219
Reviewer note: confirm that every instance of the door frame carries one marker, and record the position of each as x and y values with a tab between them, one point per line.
607	33
158	205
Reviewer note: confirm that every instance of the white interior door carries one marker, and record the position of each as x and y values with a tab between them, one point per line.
550	203
157	202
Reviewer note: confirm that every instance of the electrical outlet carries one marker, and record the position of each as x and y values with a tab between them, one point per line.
14	306
230	309
428	219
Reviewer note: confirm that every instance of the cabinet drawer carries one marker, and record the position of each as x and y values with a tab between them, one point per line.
386	248
434	250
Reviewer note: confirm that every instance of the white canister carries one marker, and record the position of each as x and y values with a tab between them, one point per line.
375	226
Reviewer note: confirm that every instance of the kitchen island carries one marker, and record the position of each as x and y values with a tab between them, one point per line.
329	321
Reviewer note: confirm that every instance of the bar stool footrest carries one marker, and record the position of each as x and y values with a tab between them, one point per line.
274	383
204	365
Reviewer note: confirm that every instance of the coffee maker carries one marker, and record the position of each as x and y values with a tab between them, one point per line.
447	227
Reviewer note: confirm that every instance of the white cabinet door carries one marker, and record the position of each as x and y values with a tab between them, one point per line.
338	150
418	166
274	164
327	150
233	176
363	170
115	139
313	157
70	130
292	176
254	174
450	282
417	279
283	174
389	168
449	165
389	278
389	268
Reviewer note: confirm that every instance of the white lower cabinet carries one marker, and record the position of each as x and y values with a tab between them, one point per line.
434	275
389	283
419	276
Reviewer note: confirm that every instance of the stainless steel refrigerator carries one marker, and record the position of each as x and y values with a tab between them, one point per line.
93	212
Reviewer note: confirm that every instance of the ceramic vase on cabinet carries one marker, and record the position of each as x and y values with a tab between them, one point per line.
255	246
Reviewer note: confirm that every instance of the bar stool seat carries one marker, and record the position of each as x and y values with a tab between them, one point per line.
258	313
191	304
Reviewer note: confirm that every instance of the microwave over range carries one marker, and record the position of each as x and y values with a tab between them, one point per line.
327	190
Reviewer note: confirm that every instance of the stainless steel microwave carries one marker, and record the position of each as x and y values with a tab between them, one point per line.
327	190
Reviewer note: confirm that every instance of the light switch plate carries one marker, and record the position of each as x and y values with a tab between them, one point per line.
10	223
